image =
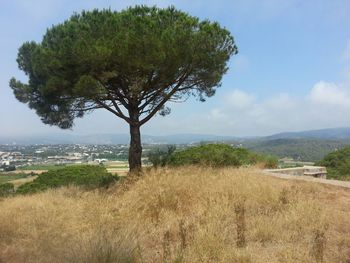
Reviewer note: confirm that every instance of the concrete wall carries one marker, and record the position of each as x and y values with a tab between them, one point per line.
315	171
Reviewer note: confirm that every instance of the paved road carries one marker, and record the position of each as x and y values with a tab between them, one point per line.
310	179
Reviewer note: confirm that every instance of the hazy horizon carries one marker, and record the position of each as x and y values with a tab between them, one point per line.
63	133
292	72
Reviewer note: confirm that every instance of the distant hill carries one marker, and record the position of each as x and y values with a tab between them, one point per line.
113	139
123	138
333	134
302	149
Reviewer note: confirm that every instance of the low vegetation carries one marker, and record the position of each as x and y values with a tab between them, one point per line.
214	155
6	189
88	176
311	150
7	177
42	167
161	157
338	164
182	214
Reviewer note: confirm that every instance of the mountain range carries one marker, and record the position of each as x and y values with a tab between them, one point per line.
322	134
329	134
121	138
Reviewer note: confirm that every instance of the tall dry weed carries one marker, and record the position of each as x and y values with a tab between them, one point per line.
240	223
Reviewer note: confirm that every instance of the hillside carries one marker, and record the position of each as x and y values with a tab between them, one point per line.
181	215
324	134
299	149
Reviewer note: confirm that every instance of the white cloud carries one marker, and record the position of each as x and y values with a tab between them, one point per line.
240	99
324	105
325	93
282	101
217	114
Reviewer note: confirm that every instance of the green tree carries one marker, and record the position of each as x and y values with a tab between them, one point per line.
161	157
337	164
130	63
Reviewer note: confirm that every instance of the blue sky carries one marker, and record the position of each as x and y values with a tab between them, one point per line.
292	71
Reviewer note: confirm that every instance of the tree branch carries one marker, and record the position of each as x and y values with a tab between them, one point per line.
121	97
115	104
152	95
88	108
100	102
164	100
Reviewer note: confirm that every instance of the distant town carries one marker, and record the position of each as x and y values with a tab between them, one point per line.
13	156
45	156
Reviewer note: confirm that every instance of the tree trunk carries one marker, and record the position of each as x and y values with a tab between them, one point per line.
135	149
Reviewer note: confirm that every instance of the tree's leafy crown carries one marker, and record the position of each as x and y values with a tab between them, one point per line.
132	61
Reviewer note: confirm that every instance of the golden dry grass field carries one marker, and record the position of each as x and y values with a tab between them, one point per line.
181	215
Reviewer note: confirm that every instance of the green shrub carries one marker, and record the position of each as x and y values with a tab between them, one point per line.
218	155
6	189
270	162
160	157
337	164
88	176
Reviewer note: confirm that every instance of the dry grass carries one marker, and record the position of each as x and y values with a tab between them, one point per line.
21	181
181	215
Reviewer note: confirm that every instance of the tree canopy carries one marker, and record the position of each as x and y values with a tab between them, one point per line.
130	62
337	164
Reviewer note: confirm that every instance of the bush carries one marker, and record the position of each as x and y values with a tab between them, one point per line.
6	189
337	164
269	162
218	155
161	157
88	176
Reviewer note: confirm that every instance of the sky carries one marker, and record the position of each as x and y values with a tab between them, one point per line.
292	71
